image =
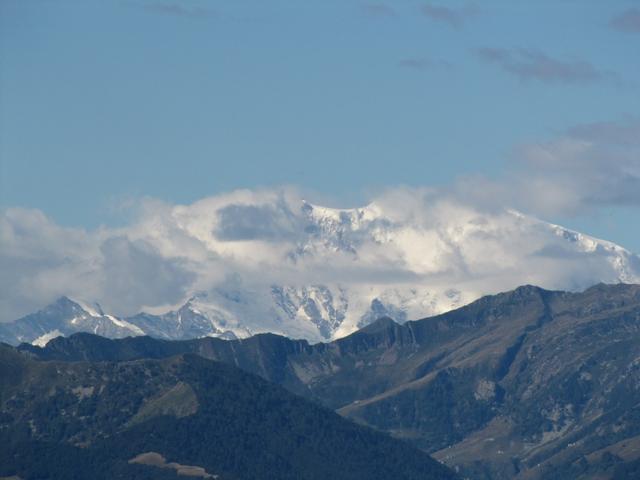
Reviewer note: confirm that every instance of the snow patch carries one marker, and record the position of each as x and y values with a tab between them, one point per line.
126	325
42	340
92	311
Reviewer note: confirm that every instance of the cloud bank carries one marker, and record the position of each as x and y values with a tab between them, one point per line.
457	241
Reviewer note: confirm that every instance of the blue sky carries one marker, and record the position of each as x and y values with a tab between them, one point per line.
104	101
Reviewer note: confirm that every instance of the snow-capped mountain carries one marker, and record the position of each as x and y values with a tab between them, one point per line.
290	267
65	317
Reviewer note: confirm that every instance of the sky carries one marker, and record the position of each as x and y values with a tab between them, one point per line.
106	106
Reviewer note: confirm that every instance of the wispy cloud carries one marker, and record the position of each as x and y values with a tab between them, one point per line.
178	9
425	63
627	21
378	10
455	17
581	170
535	65
623	134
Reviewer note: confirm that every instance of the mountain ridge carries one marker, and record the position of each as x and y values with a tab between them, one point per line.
67	316
536	370
306	271
99	420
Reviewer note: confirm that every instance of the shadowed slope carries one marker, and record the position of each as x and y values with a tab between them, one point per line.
528	383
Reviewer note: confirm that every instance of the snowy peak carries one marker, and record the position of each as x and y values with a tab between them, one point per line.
318	305
194	319
62	318
282	265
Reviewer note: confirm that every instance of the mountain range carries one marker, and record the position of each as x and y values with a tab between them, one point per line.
527	384
178	417
251	262
313	312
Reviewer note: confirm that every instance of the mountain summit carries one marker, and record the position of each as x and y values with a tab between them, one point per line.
254	263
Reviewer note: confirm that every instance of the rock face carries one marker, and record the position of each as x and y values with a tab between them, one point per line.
526	384
180	416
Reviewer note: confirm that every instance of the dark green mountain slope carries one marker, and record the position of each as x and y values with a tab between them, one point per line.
86	420
524	384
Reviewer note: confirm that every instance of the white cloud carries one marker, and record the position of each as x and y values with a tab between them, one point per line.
41	261
406	238
427	240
